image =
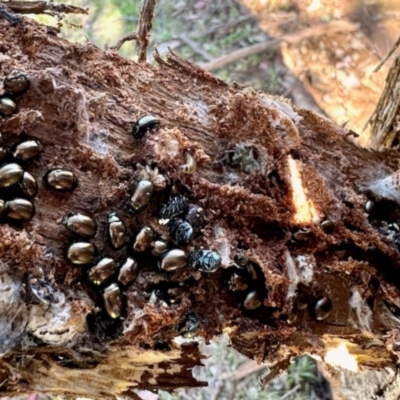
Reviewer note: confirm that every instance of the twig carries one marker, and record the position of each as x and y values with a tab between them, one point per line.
292	38
146	16
11	18
392	50
247	368
142	34
291	391
127	37
41	7
195	47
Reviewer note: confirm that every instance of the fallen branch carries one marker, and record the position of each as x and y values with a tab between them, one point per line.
41	7
292	38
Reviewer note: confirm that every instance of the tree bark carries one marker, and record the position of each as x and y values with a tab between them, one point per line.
384	121
296	212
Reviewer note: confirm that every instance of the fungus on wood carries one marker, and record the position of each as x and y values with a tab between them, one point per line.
287	238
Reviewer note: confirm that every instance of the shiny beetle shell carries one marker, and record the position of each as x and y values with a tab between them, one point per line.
328	226
174	295
2	152
190	165
142	195
176	206
16	84
195	216
10	174
323	308
112	298
102	271
20	209
204	260
173	259
302	301
181	231
7	106
81	253
39	291
116	231
252	301
61	179
80	224
143	239
3	208
369	206
26	150
129	271
189	326
158	247
28	185
145	124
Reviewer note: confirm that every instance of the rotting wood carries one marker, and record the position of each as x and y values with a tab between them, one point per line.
284	193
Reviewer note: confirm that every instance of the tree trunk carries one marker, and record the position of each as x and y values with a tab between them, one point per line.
304	223
384	121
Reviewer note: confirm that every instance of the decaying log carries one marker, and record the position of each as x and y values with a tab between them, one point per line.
298	214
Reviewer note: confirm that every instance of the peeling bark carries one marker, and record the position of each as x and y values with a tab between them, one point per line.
284	194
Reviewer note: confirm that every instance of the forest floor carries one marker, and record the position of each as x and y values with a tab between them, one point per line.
330	71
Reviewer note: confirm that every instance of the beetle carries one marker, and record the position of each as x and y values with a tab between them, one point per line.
61	179
26	150
102	271
16	84
28	185
39	291
81	253
189	326
328	226
129	271
143	239
252	301
113	300
10	174
159	247
173	259
117	232
7	106
323	307
20	209
80	224
176	206
181	231
204	260
195	216
145	124
142	195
